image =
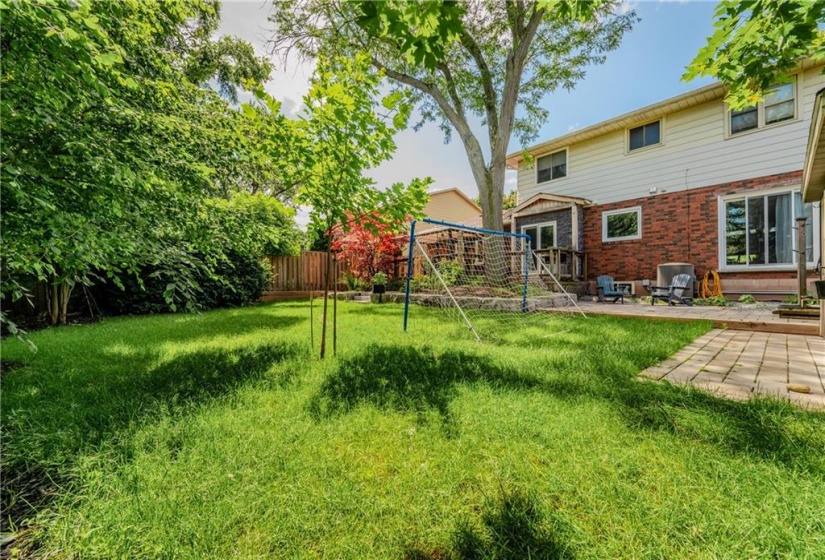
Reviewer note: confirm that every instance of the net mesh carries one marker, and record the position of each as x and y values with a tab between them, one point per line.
489	284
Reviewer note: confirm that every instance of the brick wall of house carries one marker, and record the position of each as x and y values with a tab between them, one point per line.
679	226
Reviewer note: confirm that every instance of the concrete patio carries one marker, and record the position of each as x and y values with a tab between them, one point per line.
750	351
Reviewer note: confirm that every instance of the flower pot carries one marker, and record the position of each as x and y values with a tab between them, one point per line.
819	288
379	289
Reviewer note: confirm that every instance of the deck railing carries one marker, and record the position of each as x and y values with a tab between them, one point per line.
565	264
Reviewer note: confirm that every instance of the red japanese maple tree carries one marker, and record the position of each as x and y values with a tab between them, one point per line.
369	246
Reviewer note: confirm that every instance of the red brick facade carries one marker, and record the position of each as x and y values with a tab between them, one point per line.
677	226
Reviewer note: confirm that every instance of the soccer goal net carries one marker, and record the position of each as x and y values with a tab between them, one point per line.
489	282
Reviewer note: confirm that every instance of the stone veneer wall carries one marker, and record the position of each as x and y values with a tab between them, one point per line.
564	224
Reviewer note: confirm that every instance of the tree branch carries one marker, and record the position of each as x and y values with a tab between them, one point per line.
448	78
453	115
490	96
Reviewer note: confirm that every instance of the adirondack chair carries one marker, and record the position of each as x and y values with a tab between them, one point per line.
606	288
673	294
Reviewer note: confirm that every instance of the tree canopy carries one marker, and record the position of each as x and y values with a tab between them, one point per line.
112	146
757	43
460	63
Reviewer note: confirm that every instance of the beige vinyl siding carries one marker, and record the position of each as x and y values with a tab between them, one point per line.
449	206
696	152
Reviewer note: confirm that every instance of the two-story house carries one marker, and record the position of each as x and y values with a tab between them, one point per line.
684	180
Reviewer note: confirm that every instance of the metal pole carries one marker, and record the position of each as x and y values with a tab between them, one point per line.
409	274
526	272
802	260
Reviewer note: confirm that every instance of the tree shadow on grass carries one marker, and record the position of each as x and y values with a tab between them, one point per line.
765	427
64	418
409	379
512	527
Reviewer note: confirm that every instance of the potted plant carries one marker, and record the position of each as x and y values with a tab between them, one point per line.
379	283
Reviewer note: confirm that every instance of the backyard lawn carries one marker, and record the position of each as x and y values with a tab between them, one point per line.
221	435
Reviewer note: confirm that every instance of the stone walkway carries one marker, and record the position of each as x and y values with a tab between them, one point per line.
751	351
739	364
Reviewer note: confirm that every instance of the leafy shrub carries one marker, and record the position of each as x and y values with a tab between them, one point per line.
379	279
713	301
238	281
353	283
423	282
450	271
747	298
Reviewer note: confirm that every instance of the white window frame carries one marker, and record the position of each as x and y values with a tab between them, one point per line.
722	239
538	227
760	113
566	164
661	142
606	213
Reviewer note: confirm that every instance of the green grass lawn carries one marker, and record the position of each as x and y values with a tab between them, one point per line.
220	435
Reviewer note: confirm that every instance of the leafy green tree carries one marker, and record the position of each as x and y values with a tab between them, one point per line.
757	43
484	59
111	146
509	201
344	134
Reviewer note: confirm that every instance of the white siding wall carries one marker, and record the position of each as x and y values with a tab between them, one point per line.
695	153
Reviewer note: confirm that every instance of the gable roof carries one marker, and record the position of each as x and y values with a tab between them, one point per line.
552	198
457	191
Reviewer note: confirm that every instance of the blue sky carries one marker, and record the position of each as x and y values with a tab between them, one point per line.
645	69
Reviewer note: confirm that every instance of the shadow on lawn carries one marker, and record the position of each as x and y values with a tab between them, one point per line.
511	527
65	417
408	379
768	428
419	380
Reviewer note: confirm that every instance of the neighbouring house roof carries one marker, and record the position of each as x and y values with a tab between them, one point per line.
813	173
449	205
457	191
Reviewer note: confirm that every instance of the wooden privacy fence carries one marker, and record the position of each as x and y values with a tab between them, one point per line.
305	272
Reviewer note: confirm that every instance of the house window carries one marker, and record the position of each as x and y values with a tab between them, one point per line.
760	230
542	236
552	167
622	225
646	135
779	106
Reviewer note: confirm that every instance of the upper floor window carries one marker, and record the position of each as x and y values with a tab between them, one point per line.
552	167
760	230
779	105
646	135
622	225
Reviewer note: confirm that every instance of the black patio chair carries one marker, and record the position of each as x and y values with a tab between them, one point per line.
673	294
606	288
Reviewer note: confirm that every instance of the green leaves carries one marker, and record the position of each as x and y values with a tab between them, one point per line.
422	30
755	44
113	153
